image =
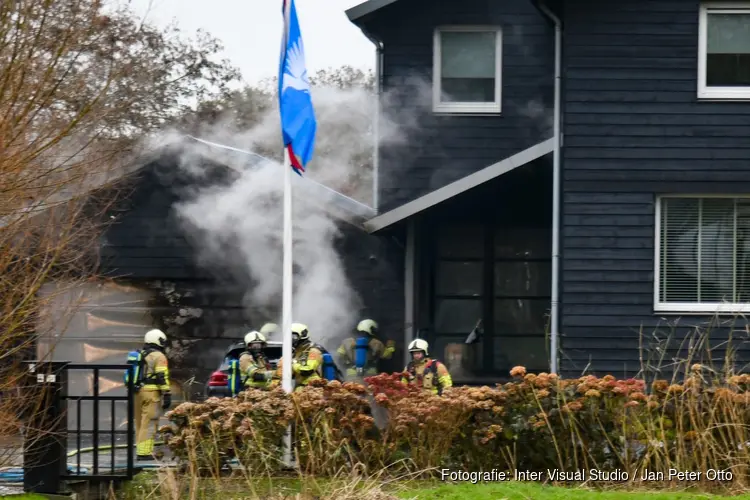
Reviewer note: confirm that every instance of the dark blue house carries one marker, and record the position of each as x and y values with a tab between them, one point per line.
578	184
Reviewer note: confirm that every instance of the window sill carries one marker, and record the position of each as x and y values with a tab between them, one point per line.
684	308
724	94
474	108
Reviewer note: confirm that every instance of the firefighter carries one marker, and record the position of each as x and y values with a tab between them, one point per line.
155	390
254	365
307	364
362	352
428	373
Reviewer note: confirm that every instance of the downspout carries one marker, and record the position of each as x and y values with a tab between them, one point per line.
555	296
376	125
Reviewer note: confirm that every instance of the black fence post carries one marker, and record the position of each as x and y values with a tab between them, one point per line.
45	428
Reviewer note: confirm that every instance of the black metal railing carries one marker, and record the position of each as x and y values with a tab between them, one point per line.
49	428
115	470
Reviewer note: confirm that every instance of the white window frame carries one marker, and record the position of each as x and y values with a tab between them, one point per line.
705	92
688	307
466	107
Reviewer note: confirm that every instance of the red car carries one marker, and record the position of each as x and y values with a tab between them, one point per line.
217	383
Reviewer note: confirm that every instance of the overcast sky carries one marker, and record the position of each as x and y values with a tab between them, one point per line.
251	31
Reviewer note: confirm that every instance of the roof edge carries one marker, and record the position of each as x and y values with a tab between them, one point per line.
459	186
365	8
335	203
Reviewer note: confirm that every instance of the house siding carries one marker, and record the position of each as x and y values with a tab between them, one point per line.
202	309
633	129
433	150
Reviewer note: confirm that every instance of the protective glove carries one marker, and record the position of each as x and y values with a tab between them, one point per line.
295	366
166	400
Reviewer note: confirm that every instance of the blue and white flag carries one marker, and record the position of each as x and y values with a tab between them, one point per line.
298	124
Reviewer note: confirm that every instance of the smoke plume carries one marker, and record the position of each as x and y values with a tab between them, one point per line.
238	226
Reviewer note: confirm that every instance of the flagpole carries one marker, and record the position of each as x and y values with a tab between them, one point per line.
286	301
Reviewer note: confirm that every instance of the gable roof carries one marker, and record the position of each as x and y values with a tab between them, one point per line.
332	201
365	8
461	185
368	7
335	203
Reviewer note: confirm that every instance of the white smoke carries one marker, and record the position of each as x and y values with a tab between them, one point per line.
239	226
245	220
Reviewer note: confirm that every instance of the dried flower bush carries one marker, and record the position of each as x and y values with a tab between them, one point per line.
250	428
334	429
536	422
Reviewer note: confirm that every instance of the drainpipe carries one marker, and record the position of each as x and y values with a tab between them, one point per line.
376	125
555	296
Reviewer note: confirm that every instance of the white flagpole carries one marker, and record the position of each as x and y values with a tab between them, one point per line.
286	302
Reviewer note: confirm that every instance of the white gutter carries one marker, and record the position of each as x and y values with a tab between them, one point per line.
376	119
555	296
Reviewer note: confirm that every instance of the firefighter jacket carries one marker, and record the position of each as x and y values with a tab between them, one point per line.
156	372
375	352
430	374
307	365
256	370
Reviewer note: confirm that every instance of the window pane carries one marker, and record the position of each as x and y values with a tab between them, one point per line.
462	360
743	251
530	352
700	249
528	243
521	316
467	54
462	242
467	66
728	50
523	279
457	315
459	278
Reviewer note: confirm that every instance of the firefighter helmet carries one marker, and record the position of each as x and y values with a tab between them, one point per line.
156	337
269	328
419	345
368	326
254	336
300	333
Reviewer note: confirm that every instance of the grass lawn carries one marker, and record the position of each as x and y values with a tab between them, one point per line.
527	491
145	486
24	496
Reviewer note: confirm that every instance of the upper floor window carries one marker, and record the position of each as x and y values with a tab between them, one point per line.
724	51
702	254
467	66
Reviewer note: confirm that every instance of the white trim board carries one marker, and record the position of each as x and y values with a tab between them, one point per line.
367	7
461	185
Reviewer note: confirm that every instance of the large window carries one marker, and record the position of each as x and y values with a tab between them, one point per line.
467	67
724	51
497	276
702	254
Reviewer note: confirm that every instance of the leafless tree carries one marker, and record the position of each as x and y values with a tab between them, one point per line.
79	86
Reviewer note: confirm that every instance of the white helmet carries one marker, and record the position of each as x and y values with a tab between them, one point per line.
155	337
419	345
254	336
269	329
300	333
368	326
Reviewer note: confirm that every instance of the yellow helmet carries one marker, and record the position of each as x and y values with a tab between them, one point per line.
368	326
419	345
254	336
269	328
